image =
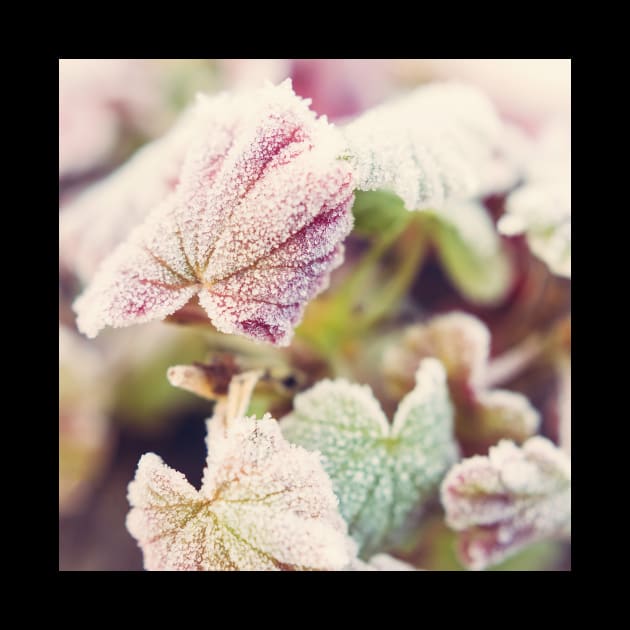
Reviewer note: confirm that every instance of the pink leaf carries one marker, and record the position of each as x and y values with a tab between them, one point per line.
508	500
254	226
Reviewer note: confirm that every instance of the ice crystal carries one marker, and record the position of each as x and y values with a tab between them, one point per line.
462	343
508	500
541	208
264	505
254	226
430	147
382	474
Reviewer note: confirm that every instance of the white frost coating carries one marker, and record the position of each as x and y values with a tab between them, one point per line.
430	147
264	505
382	474
254	226
541	208
508	500
430	384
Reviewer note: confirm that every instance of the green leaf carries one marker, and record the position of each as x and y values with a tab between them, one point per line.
377	212
471	251
381	474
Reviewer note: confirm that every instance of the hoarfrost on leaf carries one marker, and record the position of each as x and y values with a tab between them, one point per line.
264	505
430	147
382	474
508	500
254	226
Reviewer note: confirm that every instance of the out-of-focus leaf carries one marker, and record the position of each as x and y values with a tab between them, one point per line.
377	212
85	434
471	251
462	343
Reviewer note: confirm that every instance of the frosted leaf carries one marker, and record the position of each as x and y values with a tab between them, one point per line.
381	562
508	500
264	505
382	474
541	208
102	216
462	343
430	147
471	251
254	226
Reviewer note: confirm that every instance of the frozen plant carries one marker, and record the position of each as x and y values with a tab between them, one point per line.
362	316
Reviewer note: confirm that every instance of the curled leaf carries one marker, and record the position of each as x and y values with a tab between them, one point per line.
430	147
508	500
264	505
471	251
382	474
254	226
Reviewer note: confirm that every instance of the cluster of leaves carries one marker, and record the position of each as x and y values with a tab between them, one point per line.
243	209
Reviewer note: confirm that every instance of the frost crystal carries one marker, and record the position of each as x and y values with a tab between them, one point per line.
382	474
541	208
254	226
508	500
430	147
264	505
462	343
